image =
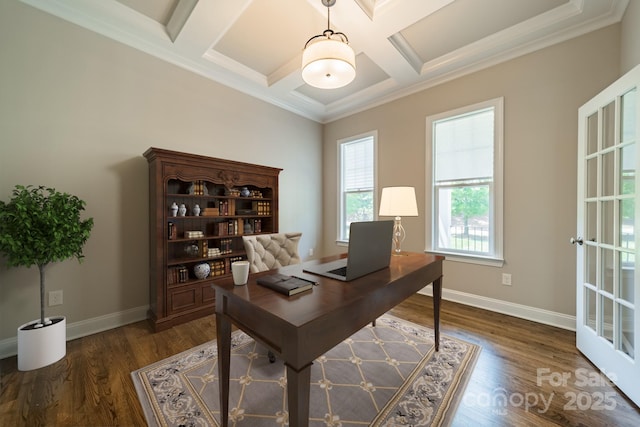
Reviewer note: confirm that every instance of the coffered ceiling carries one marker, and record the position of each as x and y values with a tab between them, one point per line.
402	46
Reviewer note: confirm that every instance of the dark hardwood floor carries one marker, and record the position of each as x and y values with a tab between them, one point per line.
527	374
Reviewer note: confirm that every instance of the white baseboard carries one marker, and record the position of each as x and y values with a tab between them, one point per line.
9	346
534	314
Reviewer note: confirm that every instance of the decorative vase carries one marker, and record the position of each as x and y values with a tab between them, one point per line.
245	192
174	209
191	249
196	210
182	210
41	346
202	270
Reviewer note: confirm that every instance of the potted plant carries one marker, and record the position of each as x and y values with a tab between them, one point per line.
39	226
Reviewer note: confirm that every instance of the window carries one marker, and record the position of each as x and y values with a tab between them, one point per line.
357	179
464	155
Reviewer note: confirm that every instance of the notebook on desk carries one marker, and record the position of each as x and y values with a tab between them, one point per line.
369	251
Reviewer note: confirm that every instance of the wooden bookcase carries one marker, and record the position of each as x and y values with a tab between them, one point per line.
234	198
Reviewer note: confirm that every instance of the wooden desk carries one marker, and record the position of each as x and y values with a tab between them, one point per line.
303	327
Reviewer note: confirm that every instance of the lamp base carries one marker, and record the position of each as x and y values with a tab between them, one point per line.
398	236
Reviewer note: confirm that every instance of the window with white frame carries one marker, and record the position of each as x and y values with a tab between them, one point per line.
357	181
464	155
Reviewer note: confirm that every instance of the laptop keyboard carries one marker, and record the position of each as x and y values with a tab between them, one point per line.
342	271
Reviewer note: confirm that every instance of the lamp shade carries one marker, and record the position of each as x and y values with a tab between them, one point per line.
328	64
398	201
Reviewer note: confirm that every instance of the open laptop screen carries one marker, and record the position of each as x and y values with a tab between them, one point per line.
369	250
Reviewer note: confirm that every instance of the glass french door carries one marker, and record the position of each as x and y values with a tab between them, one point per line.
607	288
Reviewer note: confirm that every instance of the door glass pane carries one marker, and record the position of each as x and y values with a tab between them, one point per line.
592	221
628	169
627	276
592	134
627	229
590	308
626	330
607	270
592	175
607	222
608	125
608	173
627	116
590	264
606	322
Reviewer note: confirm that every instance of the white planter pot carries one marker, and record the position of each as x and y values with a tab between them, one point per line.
41	346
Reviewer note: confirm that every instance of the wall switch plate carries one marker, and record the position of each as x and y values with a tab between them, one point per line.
506	279
55	298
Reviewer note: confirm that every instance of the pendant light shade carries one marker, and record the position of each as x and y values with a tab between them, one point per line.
328	62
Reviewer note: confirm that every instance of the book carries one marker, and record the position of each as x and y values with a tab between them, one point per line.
284	284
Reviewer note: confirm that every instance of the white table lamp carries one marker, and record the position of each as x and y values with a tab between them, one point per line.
398	202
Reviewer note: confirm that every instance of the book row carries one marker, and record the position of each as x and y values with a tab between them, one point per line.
232	227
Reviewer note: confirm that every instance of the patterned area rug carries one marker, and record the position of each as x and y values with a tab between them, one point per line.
387	375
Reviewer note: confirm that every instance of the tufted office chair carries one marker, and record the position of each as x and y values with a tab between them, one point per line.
268	251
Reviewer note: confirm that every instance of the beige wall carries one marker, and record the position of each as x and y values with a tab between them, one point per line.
542	92
630	40
76	113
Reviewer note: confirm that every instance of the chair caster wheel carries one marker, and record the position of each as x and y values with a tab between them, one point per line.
272	357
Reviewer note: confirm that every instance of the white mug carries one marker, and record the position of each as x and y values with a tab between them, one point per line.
240	271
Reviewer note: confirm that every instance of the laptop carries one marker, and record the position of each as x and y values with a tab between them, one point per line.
369	250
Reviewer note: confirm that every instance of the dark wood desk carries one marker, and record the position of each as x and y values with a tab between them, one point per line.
303	327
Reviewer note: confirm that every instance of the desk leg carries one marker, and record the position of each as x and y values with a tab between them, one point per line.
298	383
223	335
437	297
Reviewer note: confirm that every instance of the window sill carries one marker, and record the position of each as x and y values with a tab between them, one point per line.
470	259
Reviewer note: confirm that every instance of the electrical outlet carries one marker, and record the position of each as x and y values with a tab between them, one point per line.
55	298
310	251
506	279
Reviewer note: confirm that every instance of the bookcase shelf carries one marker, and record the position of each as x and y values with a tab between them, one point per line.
234	199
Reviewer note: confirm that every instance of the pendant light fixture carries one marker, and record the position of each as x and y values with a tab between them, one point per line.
328	62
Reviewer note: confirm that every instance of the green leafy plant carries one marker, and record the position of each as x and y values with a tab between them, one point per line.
40	226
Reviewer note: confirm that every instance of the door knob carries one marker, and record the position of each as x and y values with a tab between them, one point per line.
579	241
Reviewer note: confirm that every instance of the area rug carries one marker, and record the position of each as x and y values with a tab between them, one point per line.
384	375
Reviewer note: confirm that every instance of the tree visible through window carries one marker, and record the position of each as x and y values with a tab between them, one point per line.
465	177
470	218
357	181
